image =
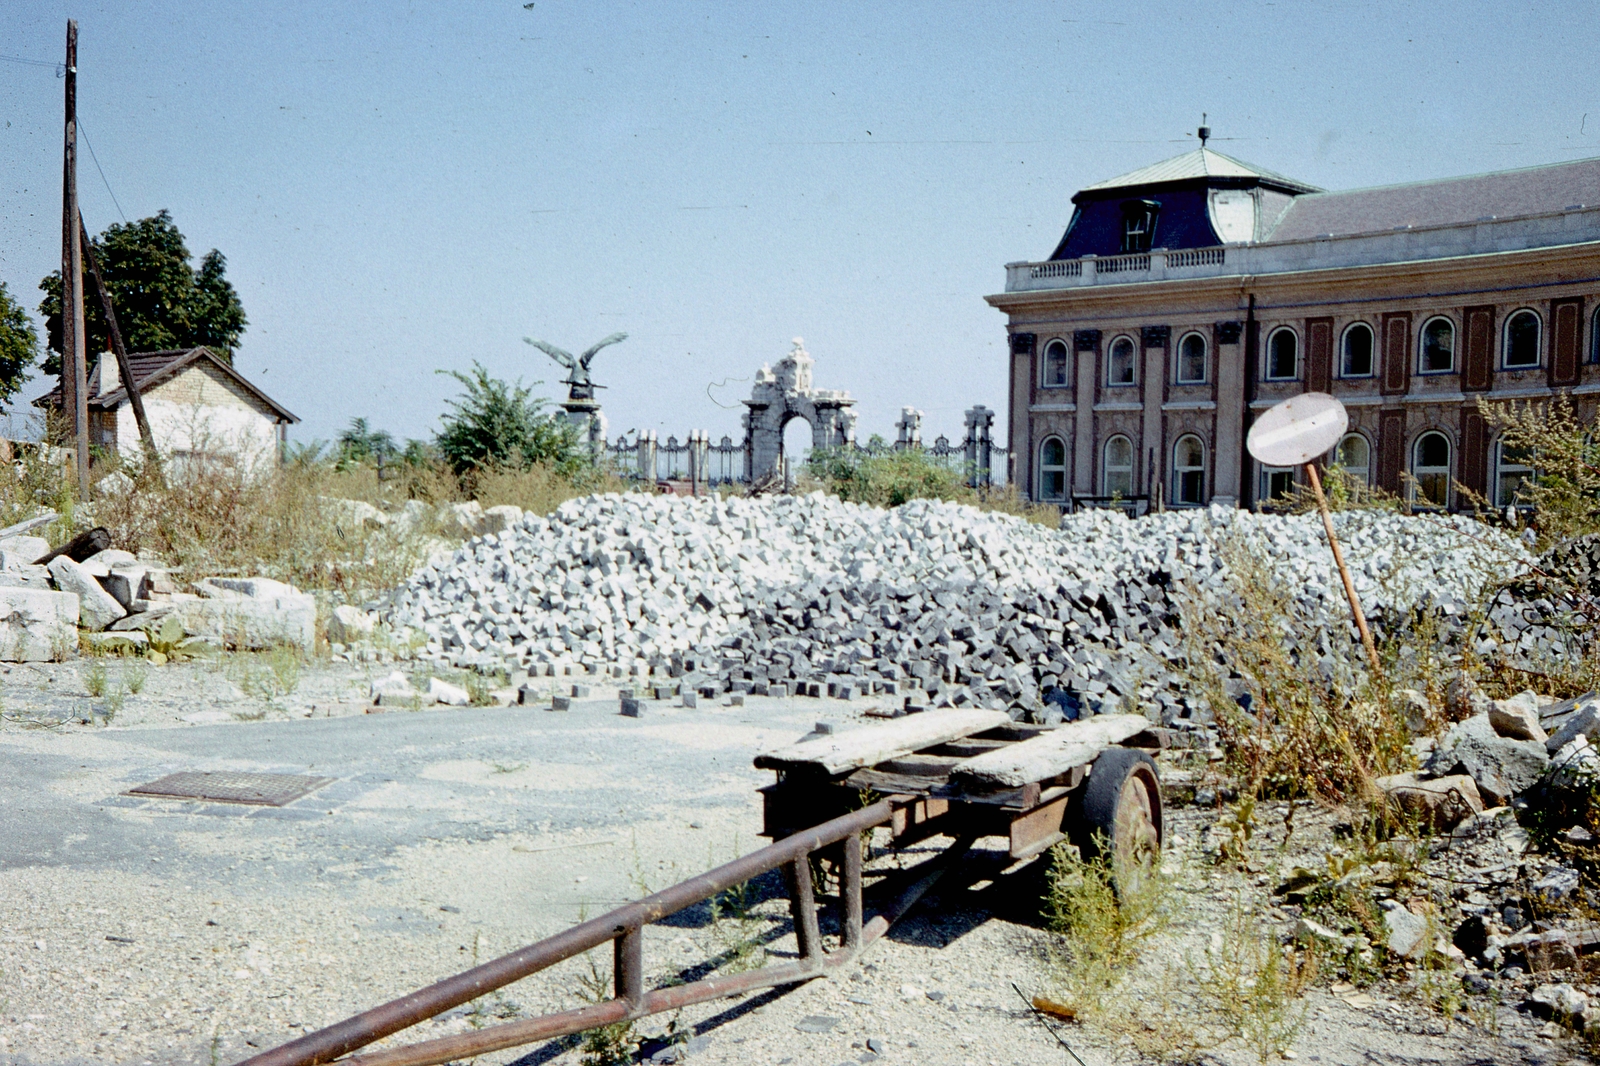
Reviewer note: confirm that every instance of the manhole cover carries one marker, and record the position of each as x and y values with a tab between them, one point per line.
263	790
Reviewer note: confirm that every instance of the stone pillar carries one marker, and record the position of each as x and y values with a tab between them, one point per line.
980	444
647	456
586	418
1156	341
910	427
1227	453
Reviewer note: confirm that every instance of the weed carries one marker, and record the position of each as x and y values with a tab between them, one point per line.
1238	822
135	674
609	1045
1249	985
1099	933
113	704
508	767
736	927
94	679
480	689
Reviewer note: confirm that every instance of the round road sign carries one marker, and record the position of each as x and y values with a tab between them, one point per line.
1298	430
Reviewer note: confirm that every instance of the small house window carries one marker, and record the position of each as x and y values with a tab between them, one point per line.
1277	482
1052	469
1055	364
1192	360
1438	346
1430	466
1119	362
1188	471
1116	468
1138	225
1522	341
1354	457
1283	356
1355	355
1511	468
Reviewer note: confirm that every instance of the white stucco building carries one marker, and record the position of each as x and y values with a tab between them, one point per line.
197	405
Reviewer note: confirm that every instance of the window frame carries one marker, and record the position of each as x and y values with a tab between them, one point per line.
1414	488
1365	443
1498	468
1106	468
1179	473
1538	341
1266	495
1066	366
1205	360
1045	469
1133	362
1422	341
1266	351
1372	350
1594	335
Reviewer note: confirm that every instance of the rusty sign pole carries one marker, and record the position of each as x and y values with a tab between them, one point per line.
1344	571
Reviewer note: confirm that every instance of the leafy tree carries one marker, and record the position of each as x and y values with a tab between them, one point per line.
160	299
502	425
19	344
360	442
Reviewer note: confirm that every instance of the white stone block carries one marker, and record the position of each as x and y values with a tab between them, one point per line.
350	625
37	625
250	613
96	607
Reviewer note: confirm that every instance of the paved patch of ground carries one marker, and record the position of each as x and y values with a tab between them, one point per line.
160	931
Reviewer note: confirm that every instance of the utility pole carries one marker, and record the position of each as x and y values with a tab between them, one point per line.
74	377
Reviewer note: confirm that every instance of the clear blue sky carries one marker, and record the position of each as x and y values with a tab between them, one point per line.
403	187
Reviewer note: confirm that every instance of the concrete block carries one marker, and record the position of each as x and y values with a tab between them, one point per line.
37	625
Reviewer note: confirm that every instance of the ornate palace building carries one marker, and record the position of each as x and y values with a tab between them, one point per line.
1190	295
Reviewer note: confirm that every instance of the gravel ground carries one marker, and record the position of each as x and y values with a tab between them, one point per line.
146	931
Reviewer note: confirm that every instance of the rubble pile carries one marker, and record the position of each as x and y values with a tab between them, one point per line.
1550	615
936	601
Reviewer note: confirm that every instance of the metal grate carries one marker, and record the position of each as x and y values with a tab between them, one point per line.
261	790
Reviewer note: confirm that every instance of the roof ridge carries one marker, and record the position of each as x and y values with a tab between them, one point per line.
1457	177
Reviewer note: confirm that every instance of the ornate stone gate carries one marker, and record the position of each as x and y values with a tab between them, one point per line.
782	394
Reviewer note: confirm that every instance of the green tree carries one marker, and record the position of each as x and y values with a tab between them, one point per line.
161	300
502	425
19	345
360	442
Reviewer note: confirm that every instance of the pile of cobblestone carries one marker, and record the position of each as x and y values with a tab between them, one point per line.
1549	617
936	603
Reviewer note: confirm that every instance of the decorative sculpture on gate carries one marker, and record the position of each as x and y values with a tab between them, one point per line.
583	410
581	385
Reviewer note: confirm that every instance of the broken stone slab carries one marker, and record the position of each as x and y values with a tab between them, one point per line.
499	518
391	690
111	558
251	613
1315	933
127	642
1583	722
1517	717
1550	950
1501	767
1557	1001
125	583
464	518
1406	933
158	622
446	693
22	551
26	577
355	512
96	607
37	625
1438	802
348	624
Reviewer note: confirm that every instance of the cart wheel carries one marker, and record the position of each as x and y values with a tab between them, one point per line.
1120	813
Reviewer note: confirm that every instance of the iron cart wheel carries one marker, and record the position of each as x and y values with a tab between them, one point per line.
1119	816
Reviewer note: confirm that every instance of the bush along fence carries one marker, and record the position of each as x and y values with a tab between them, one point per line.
643	457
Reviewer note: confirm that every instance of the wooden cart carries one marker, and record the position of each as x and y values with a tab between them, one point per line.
972	773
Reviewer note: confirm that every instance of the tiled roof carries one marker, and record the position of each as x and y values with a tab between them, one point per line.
1452	201
148	368
1200	163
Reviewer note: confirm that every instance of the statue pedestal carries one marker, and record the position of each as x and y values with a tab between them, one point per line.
585	417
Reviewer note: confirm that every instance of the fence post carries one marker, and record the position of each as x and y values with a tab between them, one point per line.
910	427
647	456
980	445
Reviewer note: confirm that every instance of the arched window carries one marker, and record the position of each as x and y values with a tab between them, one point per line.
1354	457
1192	360
1355	353
1188	471
1430	466
1119	362
1116	467
1438	348
1511	469
1522	340
1055	364
1052	469
1283	355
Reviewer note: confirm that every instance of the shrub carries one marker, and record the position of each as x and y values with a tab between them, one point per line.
888	477
501	425
1564	489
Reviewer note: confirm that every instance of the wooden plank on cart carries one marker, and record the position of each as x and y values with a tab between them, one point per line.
1048	755
842	752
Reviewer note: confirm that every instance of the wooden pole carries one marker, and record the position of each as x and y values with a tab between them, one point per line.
1344	571
135	400
74	378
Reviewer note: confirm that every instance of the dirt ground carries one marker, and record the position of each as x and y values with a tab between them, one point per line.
159	931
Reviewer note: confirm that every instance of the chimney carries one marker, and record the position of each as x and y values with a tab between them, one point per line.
106	374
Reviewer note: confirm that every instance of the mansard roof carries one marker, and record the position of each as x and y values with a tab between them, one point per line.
1202	163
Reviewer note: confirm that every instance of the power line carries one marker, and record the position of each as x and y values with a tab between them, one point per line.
97	166
60	68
